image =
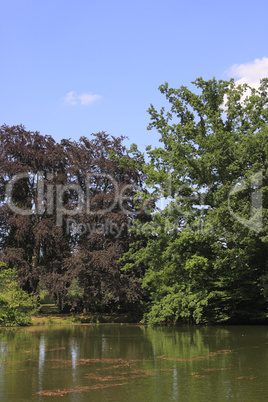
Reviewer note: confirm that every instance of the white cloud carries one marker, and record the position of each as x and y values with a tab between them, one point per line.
70	98
87	98
250	73
84	99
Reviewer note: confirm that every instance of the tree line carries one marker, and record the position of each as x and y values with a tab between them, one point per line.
82	219
58	241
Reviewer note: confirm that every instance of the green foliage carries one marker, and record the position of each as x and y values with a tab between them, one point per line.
206	256
45	297
16	305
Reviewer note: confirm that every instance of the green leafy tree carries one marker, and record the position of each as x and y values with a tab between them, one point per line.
208	259
16	305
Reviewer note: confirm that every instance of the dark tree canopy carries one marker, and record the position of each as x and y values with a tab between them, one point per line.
66	210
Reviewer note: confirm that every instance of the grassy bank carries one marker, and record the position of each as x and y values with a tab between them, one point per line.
49	315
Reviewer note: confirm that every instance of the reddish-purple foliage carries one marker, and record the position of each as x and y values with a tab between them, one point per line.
72	254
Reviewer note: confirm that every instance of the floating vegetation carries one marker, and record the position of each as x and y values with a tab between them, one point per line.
178	359
246	378
215	369
207	370
12	372
78	362
122	377
62	392
192	359
36	351
221	352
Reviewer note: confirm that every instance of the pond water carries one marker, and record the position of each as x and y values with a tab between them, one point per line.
117	363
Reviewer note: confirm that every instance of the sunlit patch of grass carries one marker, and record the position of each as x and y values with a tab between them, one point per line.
49	315
48	308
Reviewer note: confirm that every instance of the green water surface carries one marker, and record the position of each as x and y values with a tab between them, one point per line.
134	363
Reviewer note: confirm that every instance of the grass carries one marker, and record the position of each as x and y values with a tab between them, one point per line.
49	314
48	308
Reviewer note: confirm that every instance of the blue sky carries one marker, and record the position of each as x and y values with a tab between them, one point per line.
71	68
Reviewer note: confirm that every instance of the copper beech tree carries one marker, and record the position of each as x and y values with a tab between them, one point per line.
66	213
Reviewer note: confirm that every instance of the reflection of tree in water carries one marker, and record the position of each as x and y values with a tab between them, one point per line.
228	357
172	363
113	341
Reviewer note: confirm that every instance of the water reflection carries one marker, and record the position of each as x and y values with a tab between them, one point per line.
74	347
121	362
41	360
175	383
3	355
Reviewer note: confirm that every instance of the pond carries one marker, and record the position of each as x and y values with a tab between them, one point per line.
102	362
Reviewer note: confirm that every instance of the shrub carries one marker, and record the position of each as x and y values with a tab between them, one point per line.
16	305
